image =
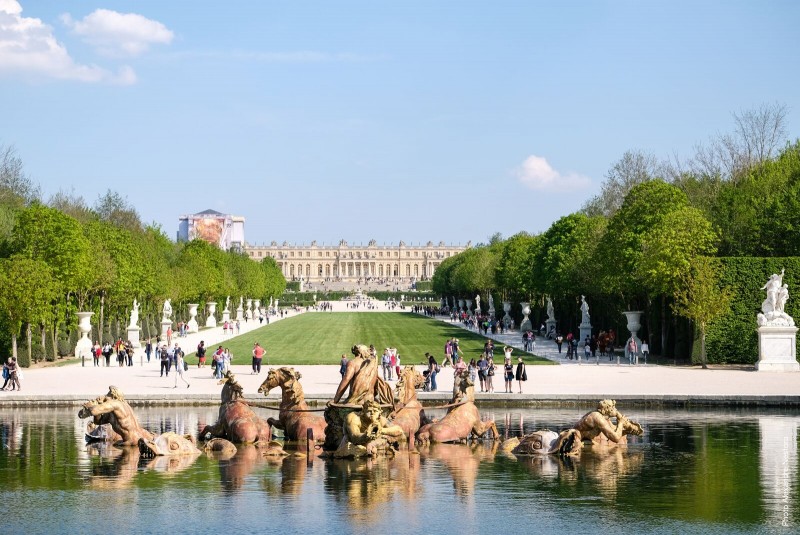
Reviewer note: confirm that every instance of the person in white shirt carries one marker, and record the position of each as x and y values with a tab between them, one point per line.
645	351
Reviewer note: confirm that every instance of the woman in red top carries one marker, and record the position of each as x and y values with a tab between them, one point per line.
258	354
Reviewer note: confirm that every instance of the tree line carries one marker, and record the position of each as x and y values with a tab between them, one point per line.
653	238
62	256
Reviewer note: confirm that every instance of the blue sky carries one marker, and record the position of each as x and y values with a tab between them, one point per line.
359	120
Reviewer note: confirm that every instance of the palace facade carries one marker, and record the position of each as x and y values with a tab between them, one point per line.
345	262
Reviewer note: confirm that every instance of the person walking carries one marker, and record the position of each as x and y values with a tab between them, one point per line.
483	366
14	374
148	349
343	365
508	374
521	373
6	373
180	367
645	351
433	369
448	353
258	354
201	354
96	351
473	370
164	356
490	369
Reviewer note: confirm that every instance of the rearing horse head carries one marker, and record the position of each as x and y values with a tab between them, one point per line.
232	390
282	377
86	408
409	382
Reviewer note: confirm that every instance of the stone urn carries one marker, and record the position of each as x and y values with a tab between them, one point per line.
469	306
211	320
248	312
460	305
257	304
526	322
191	325
507	316
634	324
84	345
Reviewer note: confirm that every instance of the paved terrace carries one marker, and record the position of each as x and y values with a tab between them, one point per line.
565	383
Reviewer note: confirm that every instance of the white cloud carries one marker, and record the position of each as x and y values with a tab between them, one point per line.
29	48
115	34
536	173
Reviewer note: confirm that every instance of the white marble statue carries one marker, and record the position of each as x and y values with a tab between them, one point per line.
585	319
478	304
551	314
491	301
167	312
772	309
228	303
134	314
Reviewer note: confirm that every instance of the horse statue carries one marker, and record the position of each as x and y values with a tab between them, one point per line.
462	419
112	409
294	423
409	415
237	422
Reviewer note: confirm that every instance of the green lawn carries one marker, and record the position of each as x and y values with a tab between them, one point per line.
321	338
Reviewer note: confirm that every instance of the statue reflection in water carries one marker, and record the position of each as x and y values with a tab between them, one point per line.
462	461
366	485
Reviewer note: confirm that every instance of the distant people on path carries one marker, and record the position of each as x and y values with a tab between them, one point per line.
631	350
107	350
645	349
96	352
148	349
521	373
385	363
343	365
473	370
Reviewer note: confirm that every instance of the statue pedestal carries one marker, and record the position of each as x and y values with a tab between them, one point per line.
777	351
240	314
165	324
586	330
551	327
133	336
226	315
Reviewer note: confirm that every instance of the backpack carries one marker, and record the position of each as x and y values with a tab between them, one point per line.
438	368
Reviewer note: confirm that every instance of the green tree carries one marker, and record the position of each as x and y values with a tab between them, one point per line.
643	209
442	280
476	271
700	299
26	290
515	265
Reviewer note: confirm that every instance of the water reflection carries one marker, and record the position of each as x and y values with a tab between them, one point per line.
778	465
690	466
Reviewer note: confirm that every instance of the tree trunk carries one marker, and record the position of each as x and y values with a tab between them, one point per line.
14	345
54	336
102	314
43	334
703	346
29	336
663	324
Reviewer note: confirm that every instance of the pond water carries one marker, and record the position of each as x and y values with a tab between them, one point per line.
721	471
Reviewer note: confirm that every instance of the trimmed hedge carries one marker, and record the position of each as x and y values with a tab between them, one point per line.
733	338
292	286
423	286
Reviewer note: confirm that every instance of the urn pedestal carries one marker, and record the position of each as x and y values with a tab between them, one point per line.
507	317
165	325
211	320
248	313
777	349
240	314
191	325
226	315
